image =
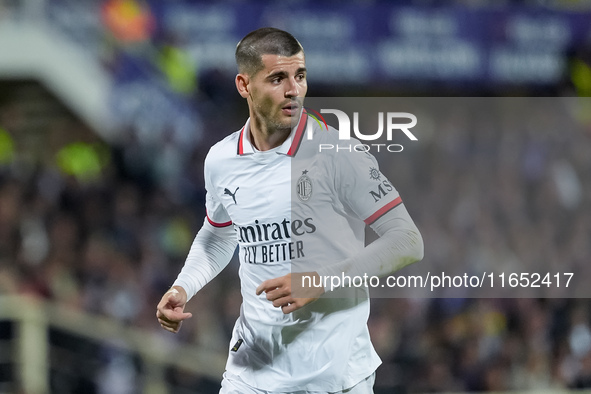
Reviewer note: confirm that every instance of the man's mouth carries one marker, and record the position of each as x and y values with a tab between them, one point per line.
290	109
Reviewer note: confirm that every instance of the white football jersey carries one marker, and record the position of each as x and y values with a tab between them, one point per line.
295	205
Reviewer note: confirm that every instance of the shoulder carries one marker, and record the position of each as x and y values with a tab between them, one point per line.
319	139
344	150
220	155
325	134
224	149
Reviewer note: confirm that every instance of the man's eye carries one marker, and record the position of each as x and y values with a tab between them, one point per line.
276	80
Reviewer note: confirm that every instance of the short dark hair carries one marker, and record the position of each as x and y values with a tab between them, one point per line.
264	41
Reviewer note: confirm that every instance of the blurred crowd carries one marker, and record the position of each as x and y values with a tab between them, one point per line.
484	195
493	194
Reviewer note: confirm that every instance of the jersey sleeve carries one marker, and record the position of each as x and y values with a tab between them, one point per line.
363	188
210	252
217	215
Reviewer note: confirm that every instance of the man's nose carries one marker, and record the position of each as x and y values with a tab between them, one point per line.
293	89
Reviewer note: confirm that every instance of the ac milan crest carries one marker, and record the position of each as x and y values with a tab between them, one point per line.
304	187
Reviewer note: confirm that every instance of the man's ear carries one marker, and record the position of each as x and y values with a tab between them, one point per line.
242	81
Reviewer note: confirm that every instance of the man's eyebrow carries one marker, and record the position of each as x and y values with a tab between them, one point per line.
285	74
277	74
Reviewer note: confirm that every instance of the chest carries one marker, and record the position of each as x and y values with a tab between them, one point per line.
255	191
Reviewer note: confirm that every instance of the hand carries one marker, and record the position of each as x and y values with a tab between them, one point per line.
279	290
170	309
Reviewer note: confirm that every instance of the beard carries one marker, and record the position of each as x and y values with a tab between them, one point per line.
269	115
273	122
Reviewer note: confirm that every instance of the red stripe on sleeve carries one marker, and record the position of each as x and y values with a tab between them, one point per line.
382	211
214	224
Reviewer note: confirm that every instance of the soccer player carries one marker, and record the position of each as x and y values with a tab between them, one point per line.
313	341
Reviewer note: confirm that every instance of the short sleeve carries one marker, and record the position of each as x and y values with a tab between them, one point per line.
217	215
362	187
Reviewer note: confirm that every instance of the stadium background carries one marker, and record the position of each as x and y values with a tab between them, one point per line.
108	108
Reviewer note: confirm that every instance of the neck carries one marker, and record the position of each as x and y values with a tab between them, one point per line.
264	137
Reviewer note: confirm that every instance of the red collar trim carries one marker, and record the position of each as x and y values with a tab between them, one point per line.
298	136
240	142
295	143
